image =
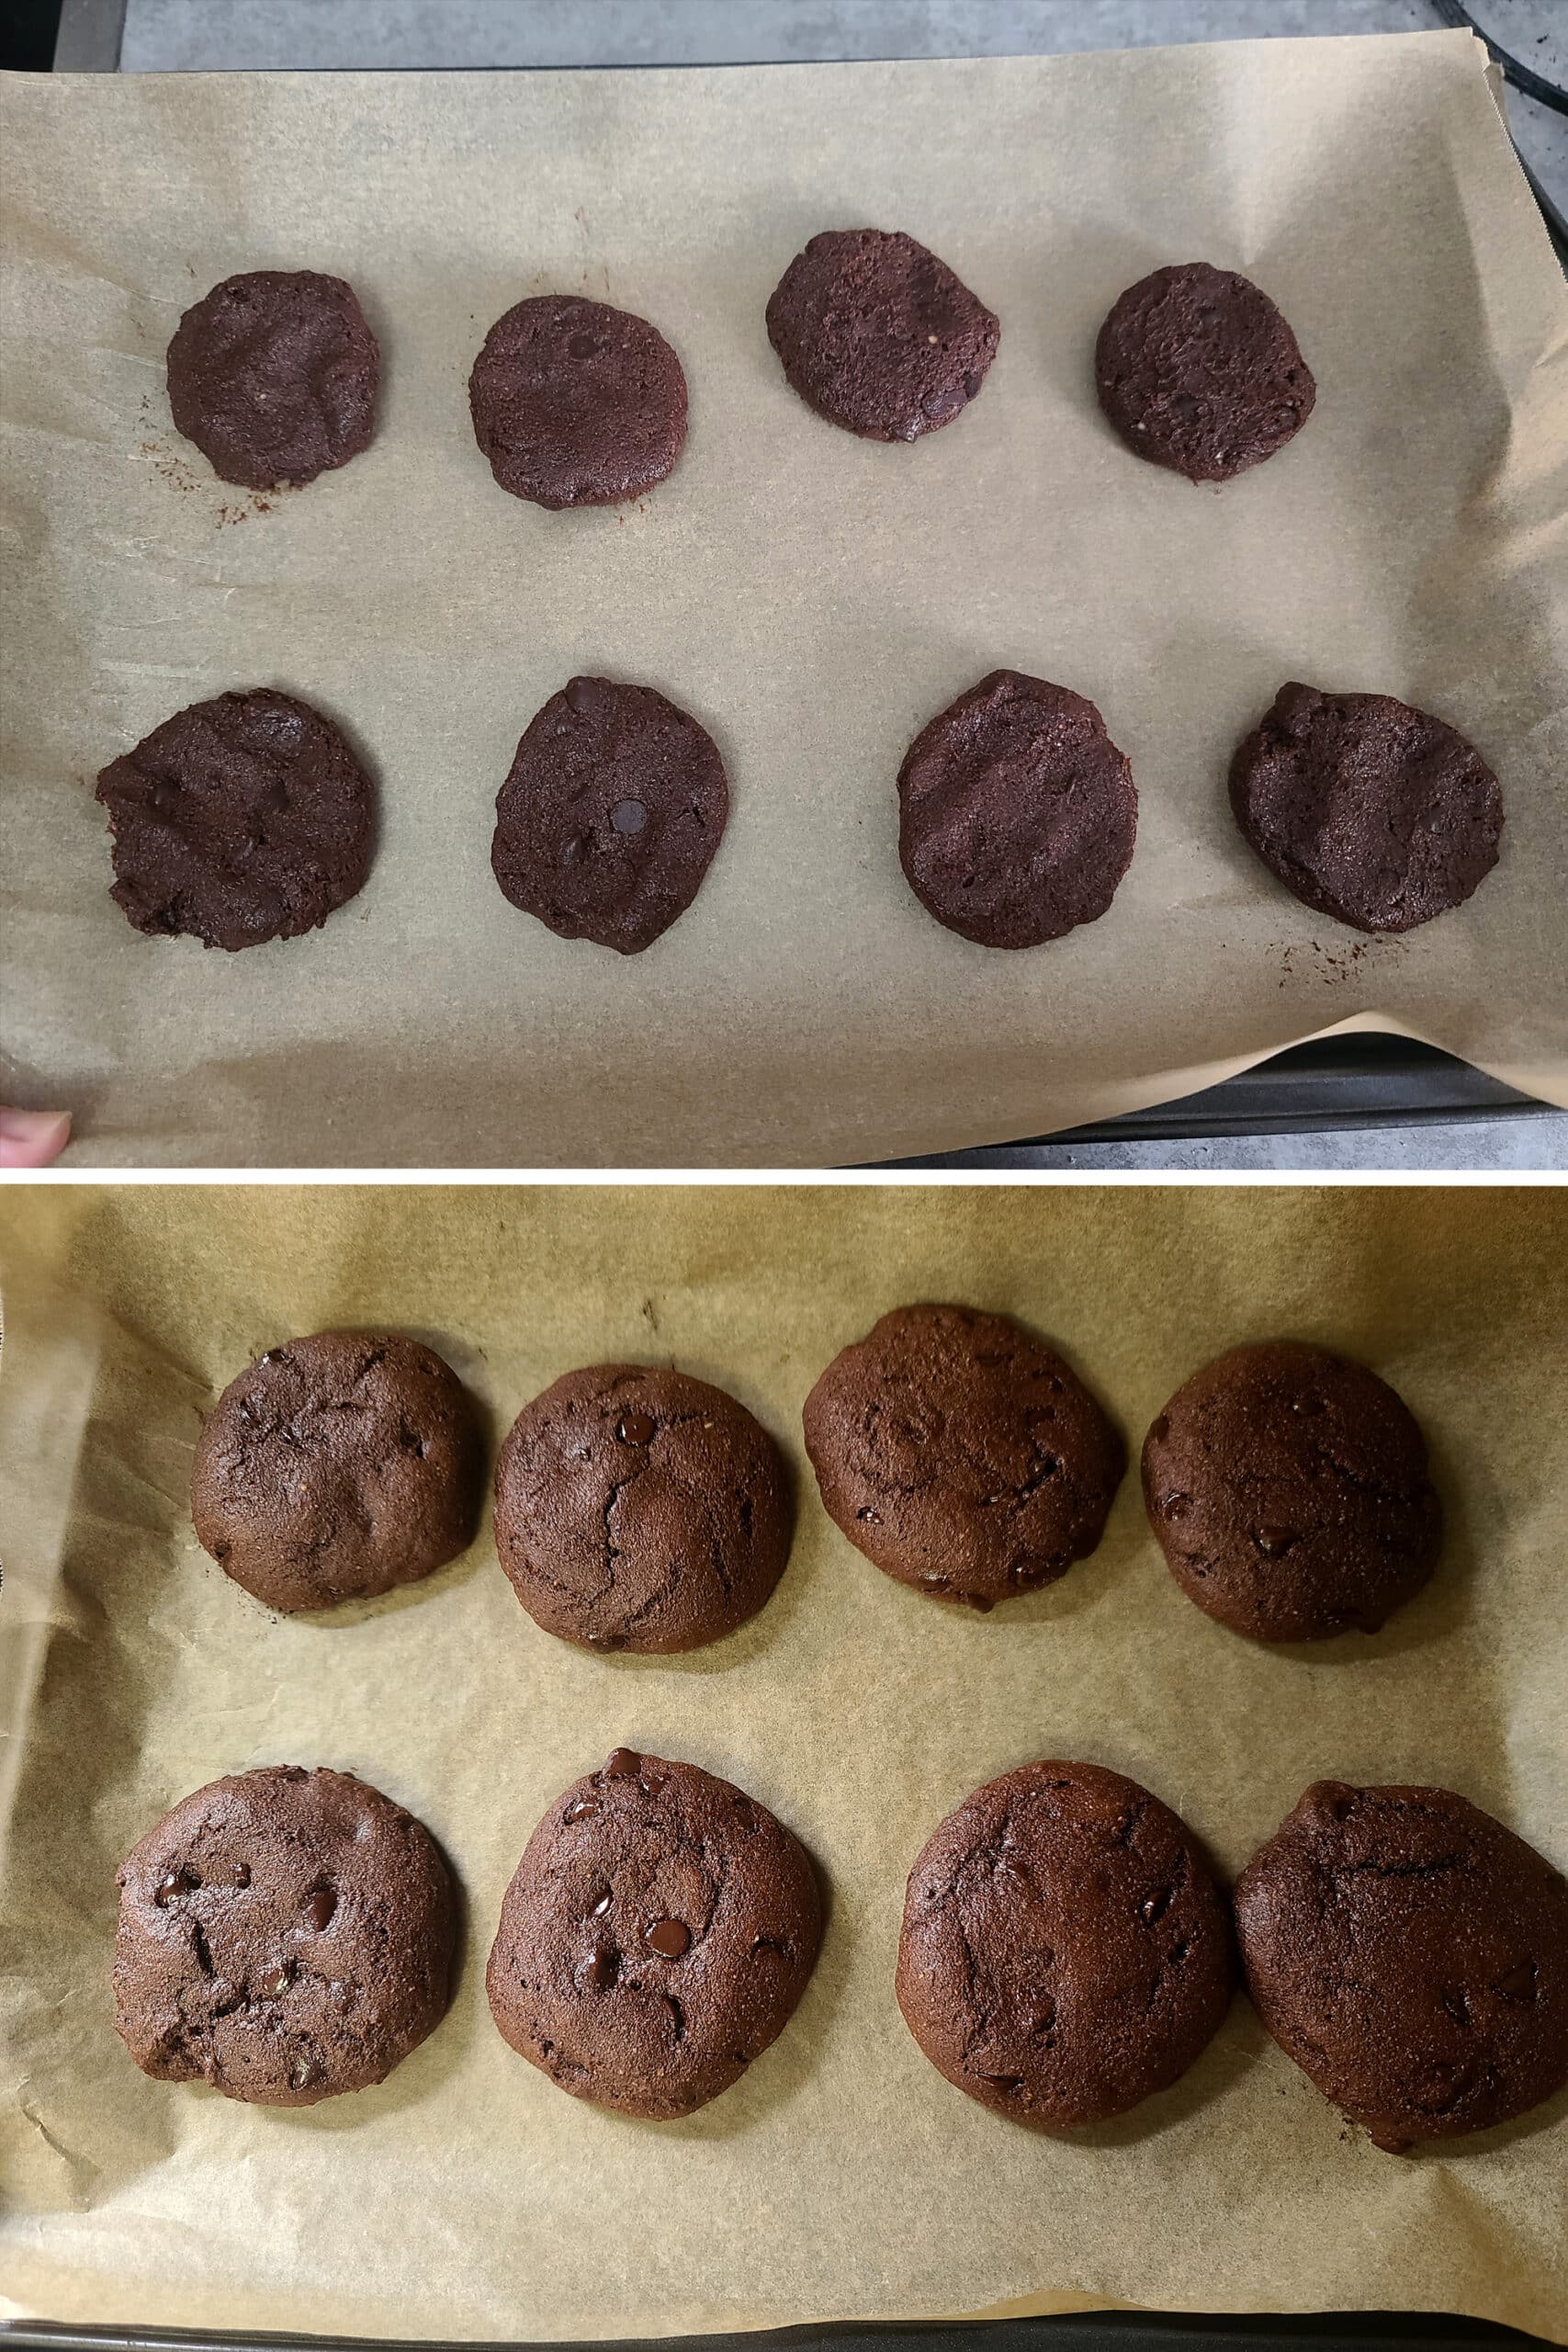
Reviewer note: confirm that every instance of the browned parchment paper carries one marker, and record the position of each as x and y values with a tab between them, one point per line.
842	2178
812	598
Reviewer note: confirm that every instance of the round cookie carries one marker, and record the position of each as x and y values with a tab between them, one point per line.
1287	1489
274	376
655	1936
1197	370
1411	1955
1065	1951
239	821
1366	809
336	1467
610	814
575	404
641	1509
1017	813
961	1455
879	335
284	1935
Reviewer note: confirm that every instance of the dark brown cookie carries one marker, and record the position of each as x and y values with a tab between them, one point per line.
655	1940
239	821
336	1467
1289	1491
1373	812
610	815
1065	1951
1198	371
284	1935
1017	813
962	1456
641	1509
575	404
274	376
879	335
1411	1955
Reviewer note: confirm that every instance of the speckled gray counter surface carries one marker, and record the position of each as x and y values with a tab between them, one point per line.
143	36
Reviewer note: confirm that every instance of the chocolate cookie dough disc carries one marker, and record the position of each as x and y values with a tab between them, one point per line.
1287	1489
575	404
1411	1955
1198	371
879	335
336	1467
658	1931
639	1510
284	1935
1065	1951
274	376
239	821
1373	812
609	818
1017	813
962	1456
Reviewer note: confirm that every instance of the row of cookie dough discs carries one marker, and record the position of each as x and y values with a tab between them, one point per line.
1066	1950
250	818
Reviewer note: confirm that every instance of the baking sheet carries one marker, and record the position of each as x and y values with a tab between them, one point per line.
812	598
841	2179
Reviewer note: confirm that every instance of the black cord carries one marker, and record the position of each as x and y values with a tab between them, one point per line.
1520	74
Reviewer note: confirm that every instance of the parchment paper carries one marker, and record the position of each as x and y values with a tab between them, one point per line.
812	598
841	2177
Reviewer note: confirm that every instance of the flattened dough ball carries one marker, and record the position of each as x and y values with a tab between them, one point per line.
575	404
1197	370
879	335
274	376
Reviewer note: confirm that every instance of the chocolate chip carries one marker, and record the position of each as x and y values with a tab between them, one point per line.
1155	1906
580	1809
636	1428
279	1983
169	1890
319	1906
628	816
1519	1983
624	1764
597	1910
601	1969
1274	1541
669	1937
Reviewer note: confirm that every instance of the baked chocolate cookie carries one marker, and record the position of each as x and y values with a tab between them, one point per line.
1366	809
336	1467
1017	813
239	821
284	1935
1198	371
879	335
1287	1489
575	404
655	1940
274	376
610	815
963	1456
1066	1951
1411	1955
641	1509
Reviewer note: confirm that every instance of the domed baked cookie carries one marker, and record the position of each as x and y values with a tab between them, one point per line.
1017	813
284	1935
238	820
641	1509
658	1931
1065	1951
575	404
336	1467
1197	370
1366	809
1411	1955
961	1455
610	815
274	376
1287	1489
879	335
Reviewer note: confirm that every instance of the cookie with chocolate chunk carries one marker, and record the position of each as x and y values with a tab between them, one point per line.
1411	1955
577	404
336	1467
961	1454
655	1936
1287	1487
274	376
879	335
1066	1951
284	1935
1197	370
641	1509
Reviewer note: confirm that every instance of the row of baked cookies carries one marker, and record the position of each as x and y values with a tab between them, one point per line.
1066	1949
641	1509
